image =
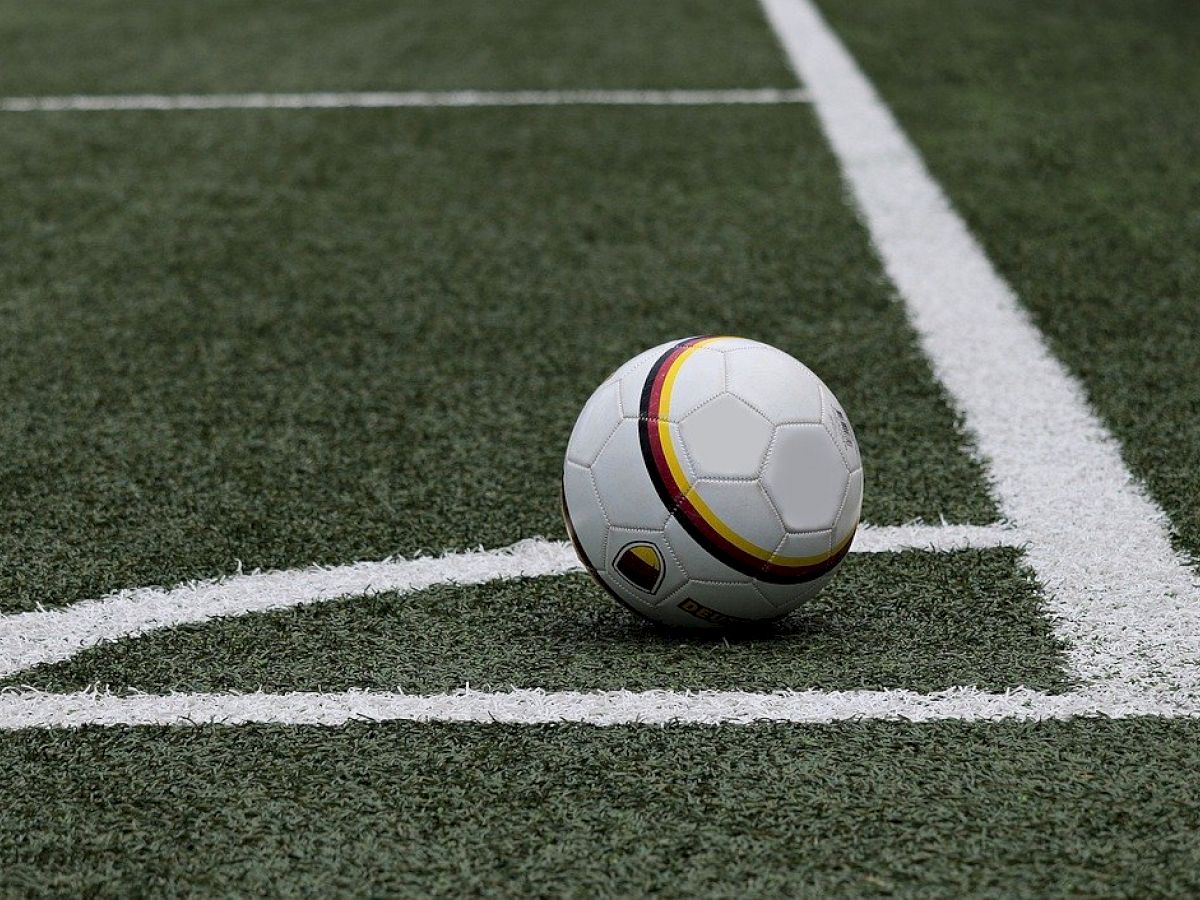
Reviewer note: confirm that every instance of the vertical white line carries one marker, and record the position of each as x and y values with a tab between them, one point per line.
1124	601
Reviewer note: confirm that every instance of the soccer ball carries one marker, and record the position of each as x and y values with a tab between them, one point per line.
712	482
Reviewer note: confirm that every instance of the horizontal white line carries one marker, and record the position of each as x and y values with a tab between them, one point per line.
51	635
399	99
38	709
934	538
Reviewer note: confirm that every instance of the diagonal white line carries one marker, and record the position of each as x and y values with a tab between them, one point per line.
400	100
37	709
34	638
1124	601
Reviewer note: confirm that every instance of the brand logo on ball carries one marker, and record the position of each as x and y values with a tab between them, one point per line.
708	614
641	565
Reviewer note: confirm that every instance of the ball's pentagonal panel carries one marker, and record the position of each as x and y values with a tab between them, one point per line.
632	378
716	604
701	379
726	439
847	520
779	387
627	494
644	563
741	510
805	477
584	515
595	425
837	423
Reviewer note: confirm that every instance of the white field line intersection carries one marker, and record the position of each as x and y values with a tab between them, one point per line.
52	635
1126	604
401	100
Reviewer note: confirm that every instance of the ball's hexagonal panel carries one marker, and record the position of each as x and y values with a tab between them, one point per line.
805	477
779	387
599	419
626	492
644	563
583	512
714	604
697	561
744	509
851	508
701	378
787	597
632	377
838	425
726	439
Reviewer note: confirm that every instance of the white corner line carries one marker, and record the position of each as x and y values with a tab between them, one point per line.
1125	603
38	709
402	100
51	635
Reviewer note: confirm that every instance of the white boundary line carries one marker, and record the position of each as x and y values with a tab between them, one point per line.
1126	603
1123	600
400	100
34	709
52	635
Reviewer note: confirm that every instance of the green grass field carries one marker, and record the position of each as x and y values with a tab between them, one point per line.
242	339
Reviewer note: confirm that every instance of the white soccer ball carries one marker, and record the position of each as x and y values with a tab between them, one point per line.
712	482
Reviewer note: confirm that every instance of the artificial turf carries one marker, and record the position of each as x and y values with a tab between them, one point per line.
1068	134
920	621
1080	808
217	46
280	338
292	337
